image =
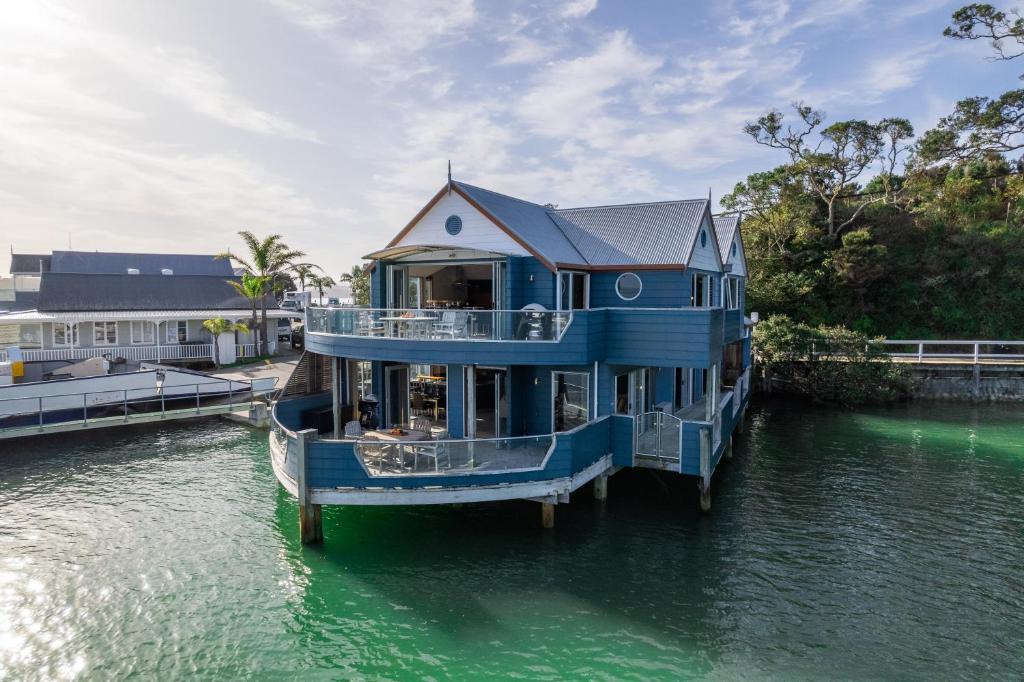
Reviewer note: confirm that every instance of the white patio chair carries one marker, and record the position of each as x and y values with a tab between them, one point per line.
353	430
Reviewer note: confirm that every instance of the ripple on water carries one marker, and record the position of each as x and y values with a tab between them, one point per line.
871	544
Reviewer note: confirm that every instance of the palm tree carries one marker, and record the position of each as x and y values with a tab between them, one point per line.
252	288
321	282
359	280
267	257
217	326
304	272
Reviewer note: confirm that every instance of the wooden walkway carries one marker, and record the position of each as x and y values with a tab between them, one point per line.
120	420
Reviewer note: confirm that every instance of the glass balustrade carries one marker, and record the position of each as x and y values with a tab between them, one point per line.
454	325
452	457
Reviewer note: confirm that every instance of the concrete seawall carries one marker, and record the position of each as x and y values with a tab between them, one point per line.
968	381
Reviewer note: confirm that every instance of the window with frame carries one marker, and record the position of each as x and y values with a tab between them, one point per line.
731	292
104	333
573	290
571	399
65	334
143	332
700	291
177	331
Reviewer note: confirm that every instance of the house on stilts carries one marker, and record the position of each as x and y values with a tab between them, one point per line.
519	351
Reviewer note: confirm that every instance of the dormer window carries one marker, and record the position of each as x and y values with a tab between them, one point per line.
166	271
133	271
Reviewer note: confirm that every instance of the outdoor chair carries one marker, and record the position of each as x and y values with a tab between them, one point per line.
353	430
369	326
452	324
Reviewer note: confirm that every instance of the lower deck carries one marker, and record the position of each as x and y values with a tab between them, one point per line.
476	432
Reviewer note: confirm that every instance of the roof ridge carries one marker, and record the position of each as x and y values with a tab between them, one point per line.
134	253
636	203
507	196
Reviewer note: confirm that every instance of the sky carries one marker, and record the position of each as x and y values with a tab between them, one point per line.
170	126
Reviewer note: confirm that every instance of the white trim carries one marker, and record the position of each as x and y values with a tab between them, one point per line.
142	332
639	291
95	327
70	330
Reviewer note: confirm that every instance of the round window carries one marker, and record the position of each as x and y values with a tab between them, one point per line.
703	239
453	225
628	286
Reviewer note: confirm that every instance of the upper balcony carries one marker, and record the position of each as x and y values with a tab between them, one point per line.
671	336
417	335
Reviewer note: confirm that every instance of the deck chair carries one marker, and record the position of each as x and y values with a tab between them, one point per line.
353	430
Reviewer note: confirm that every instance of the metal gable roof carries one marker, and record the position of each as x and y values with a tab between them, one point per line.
725	231
69	292
29	263
532	223
108	263
657	234
661	233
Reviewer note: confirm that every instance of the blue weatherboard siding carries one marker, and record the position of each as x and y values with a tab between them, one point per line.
522	290
334	463
660	289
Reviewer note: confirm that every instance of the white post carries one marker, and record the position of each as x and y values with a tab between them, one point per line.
920	352
976	353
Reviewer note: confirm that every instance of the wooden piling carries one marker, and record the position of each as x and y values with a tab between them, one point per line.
547	515
311	528
601	488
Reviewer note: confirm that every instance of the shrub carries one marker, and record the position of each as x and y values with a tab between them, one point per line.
827	363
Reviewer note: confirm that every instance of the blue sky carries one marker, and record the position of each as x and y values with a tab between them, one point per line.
168	126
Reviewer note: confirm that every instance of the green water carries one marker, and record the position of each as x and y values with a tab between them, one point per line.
843	545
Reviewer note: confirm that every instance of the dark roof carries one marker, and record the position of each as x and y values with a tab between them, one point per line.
28	263
105	263
658	233
74	292
725	230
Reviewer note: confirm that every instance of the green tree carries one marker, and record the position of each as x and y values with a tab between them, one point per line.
832	159
254	289
304	272
359	279
321	282
266	258
981	125
217	326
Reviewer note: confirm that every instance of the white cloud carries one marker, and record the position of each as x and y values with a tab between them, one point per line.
577	9
571	95
386	37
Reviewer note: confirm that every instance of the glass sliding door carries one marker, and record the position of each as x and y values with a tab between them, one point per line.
570	396
632	394
486	402
396	394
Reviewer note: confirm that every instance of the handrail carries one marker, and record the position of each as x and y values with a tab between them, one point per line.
975	353
110	395
440	324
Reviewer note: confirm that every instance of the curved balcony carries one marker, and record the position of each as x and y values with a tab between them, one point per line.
440	471
435	336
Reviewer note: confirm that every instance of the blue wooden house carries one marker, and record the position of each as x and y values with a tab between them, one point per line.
514	350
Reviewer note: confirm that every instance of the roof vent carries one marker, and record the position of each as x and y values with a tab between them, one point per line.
133	271
166	271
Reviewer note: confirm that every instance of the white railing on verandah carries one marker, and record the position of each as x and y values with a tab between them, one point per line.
963	351
245	350
191	351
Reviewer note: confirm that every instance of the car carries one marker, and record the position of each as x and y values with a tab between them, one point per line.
284	330
298	337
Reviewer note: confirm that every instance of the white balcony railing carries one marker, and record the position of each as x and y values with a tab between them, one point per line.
196	351
440	325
